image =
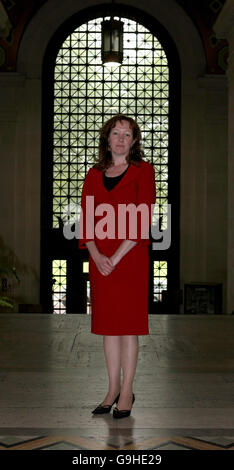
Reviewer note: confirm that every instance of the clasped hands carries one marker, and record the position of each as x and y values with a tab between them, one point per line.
104	264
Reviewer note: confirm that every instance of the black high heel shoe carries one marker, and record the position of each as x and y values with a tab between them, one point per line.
123	413
106	408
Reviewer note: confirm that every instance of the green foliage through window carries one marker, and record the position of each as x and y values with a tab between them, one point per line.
86	94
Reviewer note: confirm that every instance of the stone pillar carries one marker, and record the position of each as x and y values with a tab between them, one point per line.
224	28
20	177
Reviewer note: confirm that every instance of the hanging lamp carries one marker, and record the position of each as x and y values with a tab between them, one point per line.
112	42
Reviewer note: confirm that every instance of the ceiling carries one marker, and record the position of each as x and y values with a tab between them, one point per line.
203	13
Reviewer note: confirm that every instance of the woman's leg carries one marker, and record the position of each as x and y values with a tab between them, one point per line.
112	349
129	356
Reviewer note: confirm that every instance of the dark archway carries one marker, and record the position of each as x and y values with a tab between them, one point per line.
75	93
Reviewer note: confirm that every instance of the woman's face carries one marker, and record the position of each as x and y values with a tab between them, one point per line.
121	138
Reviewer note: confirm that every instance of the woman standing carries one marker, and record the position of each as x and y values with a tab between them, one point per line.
119	265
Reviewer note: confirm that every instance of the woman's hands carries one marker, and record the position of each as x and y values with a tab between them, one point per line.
104	264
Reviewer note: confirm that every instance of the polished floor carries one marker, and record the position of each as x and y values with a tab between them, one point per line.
53	374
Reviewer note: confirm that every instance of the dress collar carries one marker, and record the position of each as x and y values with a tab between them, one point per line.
131	173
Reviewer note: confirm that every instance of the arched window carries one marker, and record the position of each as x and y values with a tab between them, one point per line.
79	95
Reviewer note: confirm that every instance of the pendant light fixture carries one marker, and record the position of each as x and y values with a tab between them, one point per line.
112	42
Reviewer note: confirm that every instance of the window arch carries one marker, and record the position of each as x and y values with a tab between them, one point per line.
82	94
86	94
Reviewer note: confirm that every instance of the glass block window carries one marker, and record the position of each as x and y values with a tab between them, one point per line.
89	307
85	266
59	274
86	94
159	280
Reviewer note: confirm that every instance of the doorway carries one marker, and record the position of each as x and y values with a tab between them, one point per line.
78	96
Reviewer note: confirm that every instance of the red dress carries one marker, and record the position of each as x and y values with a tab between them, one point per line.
119	301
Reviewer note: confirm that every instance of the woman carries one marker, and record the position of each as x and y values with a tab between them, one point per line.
119	265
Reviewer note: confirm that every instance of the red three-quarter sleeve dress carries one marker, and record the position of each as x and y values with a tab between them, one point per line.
119	301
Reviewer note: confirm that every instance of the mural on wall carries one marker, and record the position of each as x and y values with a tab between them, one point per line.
204	14
19	14
15	16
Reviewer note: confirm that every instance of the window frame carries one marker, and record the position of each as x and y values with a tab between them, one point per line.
48	235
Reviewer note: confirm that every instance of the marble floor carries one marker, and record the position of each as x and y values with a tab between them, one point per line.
53	374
